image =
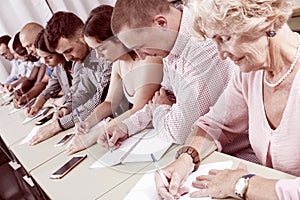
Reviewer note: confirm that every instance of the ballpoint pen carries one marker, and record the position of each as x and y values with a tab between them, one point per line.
106	131
161	174
78	115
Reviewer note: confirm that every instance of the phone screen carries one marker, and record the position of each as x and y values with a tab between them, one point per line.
68	166
45	119
66	138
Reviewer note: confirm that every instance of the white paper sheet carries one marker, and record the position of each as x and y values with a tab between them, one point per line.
145	187
28	119
30	135
150	143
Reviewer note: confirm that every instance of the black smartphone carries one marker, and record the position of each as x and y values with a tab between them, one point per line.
45	119
63	170
65	139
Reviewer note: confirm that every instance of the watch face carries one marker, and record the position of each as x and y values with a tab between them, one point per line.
240	186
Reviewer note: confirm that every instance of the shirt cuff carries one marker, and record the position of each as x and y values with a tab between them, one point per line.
138	121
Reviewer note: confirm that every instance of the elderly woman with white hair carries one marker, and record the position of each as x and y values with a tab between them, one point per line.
263	97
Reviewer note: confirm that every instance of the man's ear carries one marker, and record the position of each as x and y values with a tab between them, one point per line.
160	21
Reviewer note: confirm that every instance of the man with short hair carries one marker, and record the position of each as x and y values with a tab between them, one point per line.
193	70
91	75
8	55
40	73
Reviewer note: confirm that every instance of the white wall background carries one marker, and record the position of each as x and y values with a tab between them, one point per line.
14	14
297	4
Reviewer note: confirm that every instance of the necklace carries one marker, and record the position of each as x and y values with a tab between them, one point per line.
288	72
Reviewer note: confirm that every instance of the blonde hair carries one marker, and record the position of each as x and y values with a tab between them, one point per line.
226	17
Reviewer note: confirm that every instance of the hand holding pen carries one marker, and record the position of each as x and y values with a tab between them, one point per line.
106	131
161	174
169	180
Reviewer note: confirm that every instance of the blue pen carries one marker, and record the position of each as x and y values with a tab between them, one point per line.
161	174
78	115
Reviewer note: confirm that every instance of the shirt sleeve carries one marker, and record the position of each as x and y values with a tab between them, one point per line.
13	76
228	117
86	107
139	121
288	189
53	87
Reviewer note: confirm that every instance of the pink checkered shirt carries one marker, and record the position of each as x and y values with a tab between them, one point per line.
196	75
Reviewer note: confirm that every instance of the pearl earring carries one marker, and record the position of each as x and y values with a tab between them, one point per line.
271	33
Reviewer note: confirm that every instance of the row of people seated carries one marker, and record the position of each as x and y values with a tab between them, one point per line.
232	85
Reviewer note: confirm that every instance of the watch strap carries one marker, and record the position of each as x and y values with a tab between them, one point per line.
193	153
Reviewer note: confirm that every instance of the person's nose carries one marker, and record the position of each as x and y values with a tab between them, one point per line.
68	57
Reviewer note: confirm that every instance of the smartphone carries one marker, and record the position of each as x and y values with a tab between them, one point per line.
67	167
45	119
65	139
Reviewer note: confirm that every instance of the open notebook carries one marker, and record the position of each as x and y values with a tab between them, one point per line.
135	149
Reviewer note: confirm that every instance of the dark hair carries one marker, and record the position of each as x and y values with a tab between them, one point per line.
98	23
5	39
61	24
17	45
136	13
19	49
40	42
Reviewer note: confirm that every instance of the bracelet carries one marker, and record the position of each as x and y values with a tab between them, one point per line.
193	153
59	123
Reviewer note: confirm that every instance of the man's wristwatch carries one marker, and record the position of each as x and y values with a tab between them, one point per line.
241	185
193	153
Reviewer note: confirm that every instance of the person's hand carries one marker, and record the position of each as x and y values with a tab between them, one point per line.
8	88
82	141
23	100
160	97
17	94
117	133
60	113
45	132
219	183
16	103
176	173
82	127
33	110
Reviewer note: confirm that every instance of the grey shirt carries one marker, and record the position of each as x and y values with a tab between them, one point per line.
59	81
87	89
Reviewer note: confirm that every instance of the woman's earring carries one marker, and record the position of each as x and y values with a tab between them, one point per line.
271	33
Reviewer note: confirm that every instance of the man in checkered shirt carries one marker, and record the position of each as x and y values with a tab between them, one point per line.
91	75
193	72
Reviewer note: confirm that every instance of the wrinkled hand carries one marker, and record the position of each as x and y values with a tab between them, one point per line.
219	183
117	133
82	141
160	97
176	173
45	132
60	113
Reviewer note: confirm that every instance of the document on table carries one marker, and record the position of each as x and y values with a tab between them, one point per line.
145	187
28	119
30	135
135	149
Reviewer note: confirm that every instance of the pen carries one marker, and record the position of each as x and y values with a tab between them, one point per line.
161	174
54	105
29	103
106	131
78	114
